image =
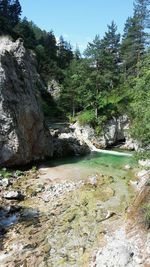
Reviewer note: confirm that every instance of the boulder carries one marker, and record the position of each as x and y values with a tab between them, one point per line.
68	145
23	135
5	182
13	195
144	163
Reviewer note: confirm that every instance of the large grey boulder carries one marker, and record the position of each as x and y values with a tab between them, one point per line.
23	136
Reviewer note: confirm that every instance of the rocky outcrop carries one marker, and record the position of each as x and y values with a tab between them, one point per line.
23	136
65	142
115	131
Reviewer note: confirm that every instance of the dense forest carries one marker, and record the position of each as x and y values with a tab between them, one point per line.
111	78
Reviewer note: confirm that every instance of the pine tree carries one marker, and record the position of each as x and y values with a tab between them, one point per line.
77	54
94	81
65	54
25	31
10	12
49	43
104	67
135	38
111	55
72	91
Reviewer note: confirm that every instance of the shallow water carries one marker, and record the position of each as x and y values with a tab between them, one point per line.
94	163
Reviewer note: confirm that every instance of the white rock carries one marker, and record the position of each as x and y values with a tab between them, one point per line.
13	195
144	163
127	167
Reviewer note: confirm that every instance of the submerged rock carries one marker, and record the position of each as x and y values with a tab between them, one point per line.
23	136
127	167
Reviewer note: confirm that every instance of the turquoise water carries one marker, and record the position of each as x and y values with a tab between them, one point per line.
105	159
97	158
94	163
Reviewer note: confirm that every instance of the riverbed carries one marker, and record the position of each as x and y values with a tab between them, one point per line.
68	207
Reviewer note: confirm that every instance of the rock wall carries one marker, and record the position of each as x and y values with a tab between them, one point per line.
115	130
65	142
23	135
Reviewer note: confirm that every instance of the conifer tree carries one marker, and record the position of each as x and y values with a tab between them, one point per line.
10	11
135	38
65	54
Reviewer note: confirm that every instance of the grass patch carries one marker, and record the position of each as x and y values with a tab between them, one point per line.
4	173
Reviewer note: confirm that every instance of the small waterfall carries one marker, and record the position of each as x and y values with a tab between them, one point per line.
113	152
93	148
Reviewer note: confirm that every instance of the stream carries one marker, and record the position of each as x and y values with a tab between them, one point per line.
69	205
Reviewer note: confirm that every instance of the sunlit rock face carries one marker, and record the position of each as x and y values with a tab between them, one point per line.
23	136
114	131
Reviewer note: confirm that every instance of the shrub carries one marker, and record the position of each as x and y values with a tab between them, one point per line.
71	119
34	169
5	174
87	117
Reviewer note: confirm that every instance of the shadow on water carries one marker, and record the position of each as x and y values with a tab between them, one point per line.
13	216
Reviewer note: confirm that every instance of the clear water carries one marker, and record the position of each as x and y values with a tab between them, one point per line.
99	163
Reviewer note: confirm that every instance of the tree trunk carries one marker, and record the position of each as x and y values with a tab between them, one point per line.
73	109
96	112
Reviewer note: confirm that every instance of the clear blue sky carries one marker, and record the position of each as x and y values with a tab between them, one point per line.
77	20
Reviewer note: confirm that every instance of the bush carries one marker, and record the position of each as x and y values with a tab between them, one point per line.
71	119
142	155
5	174
34	169
87	117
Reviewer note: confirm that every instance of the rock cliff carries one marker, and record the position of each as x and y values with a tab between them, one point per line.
23	136
115	131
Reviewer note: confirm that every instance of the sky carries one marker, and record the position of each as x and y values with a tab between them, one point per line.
78	21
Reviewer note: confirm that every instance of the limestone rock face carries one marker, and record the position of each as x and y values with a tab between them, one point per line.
23	136
114	131
65	141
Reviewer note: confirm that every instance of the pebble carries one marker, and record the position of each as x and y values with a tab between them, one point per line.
60	189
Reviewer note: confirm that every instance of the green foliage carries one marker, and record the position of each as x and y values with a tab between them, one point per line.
24	30
100	122
4	173
65	54
142	155
71	119
135	38
10	11
87	117
18	173
140	104
34	169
